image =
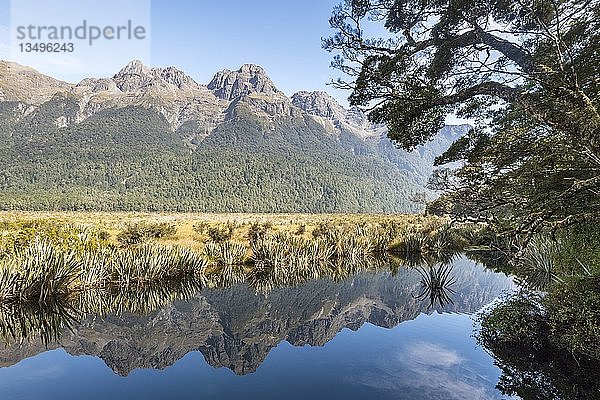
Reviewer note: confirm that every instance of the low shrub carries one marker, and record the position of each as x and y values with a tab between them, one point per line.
220	233
258	230
142	231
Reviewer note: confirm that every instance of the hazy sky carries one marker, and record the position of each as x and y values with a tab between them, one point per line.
202	37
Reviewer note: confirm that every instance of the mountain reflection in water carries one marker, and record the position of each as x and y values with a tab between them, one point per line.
236	327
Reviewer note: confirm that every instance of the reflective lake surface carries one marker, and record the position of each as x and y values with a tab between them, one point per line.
374	335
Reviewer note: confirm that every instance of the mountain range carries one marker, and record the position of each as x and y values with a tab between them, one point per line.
154	139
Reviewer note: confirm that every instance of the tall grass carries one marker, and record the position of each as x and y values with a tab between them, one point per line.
226	261
40	273
436	285
46	269
43	273
148	264
538	261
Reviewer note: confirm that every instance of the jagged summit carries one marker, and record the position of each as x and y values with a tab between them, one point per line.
333	116
318	103
176	77
250	78
252	69
136	75
134	67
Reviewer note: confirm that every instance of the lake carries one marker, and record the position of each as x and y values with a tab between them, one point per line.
374	335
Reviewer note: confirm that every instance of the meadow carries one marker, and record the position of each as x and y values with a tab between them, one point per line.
45	256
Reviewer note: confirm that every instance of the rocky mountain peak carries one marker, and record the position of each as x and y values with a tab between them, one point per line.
252	69
333	116
133	76
175	77
137	76
135	67
249	79
319	104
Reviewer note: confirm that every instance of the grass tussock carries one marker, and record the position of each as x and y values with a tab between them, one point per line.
52	272
45	260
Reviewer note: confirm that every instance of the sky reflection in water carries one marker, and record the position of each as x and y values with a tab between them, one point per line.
430	357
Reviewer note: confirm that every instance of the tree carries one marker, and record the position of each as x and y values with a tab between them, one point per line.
517	333
528	71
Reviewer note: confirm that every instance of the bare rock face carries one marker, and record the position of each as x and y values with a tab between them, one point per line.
175	77
333	117
133	76
319	104
136	77
181	100
24	84
249	79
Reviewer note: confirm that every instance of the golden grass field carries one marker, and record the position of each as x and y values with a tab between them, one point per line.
115	222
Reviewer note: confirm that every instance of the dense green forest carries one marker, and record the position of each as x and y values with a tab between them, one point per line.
129	159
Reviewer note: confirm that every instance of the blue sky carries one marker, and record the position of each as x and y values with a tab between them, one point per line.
202	37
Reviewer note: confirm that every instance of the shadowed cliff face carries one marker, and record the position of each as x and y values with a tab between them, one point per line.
236	327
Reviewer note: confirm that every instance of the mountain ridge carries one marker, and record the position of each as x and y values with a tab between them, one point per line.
162	126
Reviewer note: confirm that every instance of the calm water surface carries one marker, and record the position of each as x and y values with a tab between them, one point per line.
372	336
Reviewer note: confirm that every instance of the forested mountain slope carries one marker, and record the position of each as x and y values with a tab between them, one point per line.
154	139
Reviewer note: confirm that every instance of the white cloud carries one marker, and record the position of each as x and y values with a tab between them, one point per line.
433	355
430	369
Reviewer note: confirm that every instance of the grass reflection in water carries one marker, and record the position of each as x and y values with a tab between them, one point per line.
44	290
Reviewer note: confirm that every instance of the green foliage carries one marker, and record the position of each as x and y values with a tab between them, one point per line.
529	80
580	247
548	345
518	321
540	354
573	308
109	163
141	232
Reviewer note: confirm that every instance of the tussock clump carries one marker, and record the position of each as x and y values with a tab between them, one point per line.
41	273
141	232
225	253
